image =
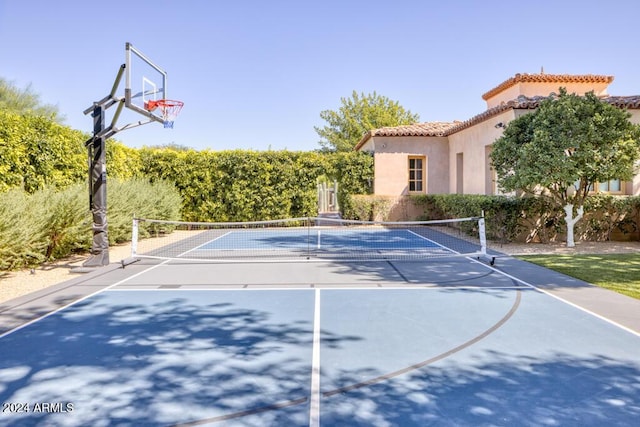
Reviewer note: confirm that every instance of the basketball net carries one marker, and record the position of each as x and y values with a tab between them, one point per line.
169	108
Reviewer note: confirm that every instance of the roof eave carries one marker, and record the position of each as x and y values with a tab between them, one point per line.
363	140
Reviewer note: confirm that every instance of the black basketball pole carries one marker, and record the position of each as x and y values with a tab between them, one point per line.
98	190
96	148
97	157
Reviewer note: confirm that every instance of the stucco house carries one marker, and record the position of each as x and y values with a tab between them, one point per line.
453	157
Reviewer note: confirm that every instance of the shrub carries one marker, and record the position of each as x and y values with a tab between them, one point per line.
606	215
137	197
502	214
367	207
536	218
66	224
36	153
51	224
22	242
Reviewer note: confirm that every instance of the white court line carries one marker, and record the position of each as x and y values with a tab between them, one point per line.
585	310
84	298
205	243
314	411
31	322
328	287
467	255
432	241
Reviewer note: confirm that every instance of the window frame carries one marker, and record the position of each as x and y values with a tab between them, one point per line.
621	185
422	179
595	187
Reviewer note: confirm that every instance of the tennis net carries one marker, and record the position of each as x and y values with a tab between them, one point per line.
307	239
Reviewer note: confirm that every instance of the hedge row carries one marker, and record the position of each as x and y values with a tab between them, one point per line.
518	219
37	153
244	185
537	219
49	224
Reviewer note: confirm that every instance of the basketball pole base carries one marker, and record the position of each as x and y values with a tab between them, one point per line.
97	260
92	263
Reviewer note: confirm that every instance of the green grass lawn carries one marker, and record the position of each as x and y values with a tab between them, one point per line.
618	272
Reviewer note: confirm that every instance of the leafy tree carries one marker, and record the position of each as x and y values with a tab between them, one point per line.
564	148
25	101
358	115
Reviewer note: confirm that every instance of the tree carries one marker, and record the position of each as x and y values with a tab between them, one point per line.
25	102
358	115
564	149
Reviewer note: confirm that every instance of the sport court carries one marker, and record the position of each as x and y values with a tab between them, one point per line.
321	340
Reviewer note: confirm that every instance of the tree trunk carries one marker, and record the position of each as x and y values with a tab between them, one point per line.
571	221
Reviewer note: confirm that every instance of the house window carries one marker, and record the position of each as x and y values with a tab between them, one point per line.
611	186
416	174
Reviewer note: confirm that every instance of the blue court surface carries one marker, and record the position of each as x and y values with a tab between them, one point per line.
394	352
319	238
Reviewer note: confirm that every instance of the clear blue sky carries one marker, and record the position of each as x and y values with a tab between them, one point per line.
255	74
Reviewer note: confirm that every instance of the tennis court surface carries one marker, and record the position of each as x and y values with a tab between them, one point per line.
325	341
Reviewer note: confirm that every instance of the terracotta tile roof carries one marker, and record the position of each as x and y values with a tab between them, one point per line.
547	78
526	103
449	128
416	129
630	102
521	103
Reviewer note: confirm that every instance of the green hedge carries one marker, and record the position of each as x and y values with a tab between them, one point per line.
610	216
38	153
240	185
367	207
536	219
50	224
514	218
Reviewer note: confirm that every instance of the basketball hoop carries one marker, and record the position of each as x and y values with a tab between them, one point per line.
170	109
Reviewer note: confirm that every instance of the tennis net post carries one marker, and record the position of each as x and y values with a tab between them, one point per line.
134	237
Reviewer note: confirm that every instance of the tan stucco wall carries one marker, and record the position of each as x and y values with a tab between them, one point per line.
391	172
471	142
474	143
474	177
544	89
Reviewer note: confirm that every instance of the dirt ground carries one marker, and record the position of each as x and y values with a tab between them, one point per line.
17	283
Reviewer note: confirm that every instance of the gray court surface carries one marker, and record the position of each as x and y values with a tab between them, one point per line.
449	342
